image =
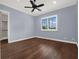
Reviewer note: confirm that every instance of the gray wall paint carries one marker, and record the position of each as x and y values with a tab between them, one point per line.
21	24
67	24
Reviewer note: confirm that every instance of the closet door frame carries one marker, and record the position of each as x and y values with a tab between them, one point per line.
7	13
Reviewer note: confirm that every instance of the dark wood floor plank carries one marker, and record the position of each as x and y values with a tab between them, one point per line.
37	48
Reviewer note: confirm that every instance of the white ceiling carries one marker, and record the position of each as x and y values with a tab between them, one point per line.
49	5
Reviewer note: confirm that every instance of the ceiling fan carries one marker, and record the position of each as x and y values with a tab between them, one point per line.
34	6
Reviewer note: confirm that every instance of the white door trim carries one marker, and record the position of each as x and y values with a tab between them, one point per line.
7	13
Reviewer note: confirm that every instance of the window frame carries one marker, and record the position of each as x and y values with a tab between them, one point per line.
48	23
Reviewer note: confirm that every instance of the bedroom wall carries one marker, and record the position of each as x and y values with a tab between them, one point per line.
67	24
21	24
25	26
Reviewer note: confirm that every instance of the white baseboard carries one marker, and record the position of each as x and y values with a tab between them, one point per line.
19	39
43	38
57	40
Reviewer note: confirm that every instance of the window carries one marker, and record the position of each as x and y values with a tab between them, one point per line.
49	23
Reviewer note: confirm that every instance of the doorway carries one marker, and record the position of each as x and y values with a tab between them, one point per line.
3	26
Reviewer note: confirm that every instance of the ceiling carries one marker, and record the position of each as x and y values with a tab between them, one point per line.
50	5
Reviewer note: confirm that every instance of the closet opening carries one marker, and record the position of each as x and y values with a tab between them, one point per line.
4	18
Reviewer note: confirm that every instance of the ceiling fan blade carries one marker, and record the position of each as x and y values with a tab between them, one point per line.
32	2
27	7
32	10
38	9
40	5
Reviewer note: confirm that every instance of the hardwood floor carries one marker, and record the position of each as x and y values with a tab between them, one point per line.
37	48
